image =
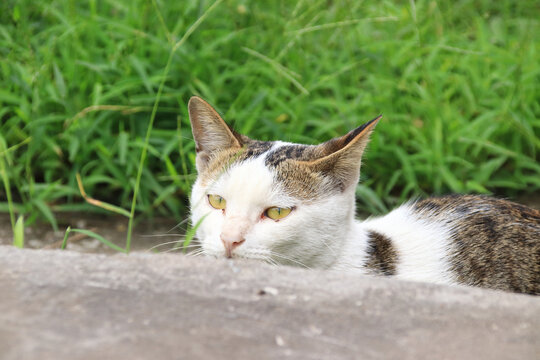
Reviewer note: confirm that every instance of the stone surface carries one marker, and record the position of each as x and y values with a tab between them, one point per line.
67	305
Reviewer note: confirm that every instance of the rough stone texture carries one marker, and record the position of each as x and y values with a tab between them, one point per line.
66	305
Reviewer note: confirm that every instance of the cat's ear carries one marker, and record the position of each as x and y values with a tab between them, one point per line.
340	158
210	132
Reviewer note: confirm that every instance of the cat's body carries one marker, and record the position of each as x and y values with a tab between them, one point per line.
471	240
295	204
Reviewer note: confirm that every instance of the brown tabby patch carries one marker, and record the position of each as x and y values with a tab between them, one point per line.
496	243
296	177
255	148
382	257
301	182
290	152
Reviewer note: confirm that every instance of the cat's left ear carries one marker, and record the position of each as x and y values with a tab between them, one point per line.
340	158
210	132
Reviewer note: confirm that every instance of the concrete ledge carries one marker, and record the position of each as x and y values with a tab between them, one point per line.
66	305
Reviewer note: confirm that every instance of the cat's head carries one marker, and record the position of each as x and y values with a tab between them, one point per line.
274	201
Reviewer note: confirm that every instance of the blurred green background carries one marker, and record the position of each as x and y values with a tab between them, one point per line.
456	81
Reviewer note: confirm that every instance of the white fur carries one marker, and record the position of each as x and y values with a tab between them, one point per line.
422	246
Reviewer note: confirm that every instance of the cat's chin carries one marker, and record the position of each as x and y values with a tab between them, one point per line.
249	254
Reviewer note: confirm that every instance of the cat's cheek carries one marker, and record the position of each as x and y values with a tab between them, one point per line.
208	232
270	233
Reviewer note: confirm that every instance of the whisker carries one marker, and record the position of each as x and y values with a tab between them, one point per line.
196	253
187	247
165	243
271	261
289	259
193	248
179	224
171	250
174	242
328	246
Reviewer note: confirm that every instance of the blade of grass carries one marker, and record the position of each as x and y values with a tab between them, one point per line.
7	187
18	233
100	239
282	70
190	234
46	212
370	199
183	158
99	203
64	242
15	147
153	116
344	23
124	109
162	22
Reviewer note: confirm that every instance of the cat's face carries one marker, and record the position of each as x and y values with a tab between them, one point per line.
277	202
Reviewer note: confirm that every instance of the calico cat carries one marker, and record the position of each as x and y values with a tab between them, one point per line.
294	204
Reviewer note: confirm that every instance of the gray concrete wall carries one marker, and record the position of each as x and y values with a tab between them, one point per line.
66	305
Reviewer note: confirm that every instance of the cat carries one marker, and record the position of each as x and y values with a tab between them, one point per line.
293	204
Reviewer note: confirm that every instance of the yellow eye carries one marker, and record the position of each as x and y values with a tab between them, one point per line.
277	213
217	202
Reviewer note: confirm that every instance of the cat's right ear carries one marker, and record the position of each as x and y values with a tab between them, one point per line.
210	132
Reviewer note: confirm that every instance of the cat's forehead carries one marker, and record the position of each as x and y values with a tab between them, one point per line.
223	160
272	153
246	183
269	165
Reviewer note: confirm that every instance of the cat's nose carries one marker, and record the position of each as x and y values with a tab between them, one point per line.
230	243
233	233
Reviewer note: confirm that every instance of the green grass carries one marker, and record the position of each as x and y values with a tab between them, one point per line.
18	233
100	88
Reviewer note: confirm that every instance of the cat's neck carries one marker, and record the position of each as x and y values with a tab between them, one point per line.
353	252
342	245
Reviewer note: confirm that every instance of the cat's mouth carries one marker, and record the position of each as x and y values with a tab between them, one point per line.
256	254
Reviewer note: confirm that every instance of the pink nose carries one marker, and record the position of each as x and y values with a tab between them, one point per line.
231	243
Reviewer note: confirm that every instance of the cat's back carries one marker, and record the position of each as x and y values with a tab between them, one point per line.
473	240
494	243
